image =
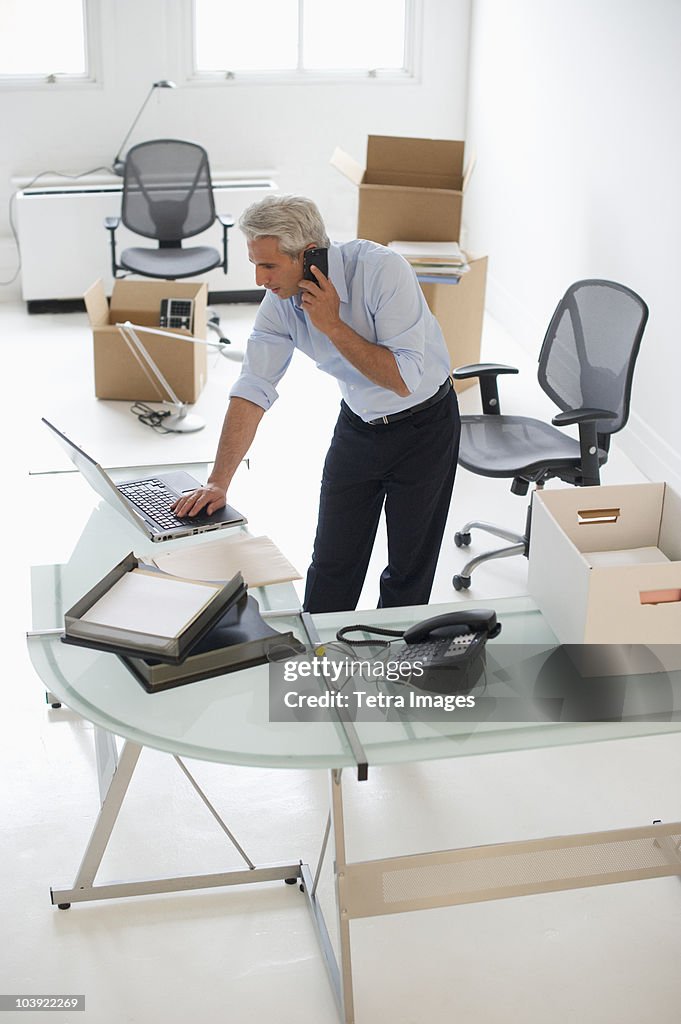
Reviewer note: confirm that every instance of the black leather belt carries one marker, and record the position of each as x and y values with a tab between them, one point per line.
443	390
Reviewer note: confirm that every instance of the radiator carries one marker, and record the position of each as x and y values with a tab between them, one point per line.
65	246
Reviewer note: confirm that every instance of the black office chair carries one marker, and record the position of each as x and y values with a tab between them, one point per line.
586	366
168	196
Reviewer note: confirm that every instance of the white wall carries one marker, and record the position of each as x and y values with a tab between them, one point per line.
574	113
292	129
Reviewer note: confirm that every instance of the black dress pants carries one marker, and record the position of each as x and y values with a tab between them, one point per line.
408	465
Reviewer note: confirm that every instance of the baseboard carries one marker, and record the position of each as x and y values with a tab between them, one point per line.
250	295
78	306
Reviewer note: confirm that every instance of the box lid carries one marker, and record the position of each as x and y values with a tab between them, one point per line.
424	163
347	165
407	163
96	304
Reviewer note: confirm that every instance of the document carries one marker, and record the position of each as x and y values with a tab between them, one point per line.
449	253
143	602
258	559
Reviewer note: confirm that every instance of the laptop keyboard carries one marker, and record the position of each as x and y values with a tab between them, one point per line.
154	498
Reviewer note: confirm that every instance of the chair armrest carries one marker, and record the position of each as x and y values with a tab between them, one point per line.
227	222
586	420
482	370
487	374
571	416
111	223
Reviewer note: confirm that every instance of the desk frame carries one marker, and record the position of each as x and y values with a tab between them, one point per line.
390	885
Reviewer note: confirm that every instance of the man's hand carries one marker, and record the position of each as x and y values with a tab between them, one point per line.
376	362
208	498
321	302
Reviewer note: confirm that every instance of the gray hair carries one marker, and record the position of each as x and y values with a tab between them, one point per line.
294	220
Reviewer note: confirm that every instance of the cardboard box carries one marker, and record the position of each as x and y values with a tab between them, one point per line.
459	309
605	569
410	188
413	189
117	373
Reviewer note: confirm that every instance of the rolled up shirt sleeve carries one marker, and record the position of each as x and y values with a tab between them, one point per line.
268	354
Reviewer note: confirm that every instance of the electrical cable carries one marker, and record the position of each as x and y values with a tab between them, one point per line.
396	633
56	174
151	417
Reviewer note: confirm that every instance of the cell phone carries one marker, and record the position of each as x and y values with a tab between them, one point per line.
315	258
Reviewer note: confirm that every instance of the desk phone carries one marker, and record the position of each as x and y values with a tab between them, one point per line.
176	313
446	651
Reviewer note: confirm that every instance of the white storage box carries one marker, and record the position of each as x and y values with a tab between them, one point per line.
605	566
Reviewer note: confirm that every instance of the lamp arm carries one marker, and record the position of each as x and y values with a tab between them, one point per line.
150	370
117	158
177	337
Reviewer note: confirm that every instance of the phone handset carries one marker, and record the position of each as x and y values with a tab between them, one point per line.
452	624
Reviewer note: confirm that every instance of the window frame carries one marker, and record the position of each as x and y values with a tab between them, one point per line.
50	79
410	74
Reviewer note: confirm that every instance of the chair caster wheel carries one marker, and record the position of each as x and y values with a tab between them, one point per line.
462	540
461	582
290	881
64	906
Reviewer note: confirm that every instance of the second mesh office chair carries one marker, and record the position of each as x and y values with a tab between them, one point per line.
168	196
586	366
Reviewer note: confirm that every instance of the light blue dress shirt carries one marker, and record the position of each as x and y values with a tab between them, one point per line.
382	301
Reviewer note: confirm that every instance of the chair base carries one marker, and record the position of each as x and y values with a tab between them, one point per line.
519	546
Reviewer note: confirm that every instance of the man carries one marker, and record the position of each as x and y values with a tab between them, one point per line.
397	436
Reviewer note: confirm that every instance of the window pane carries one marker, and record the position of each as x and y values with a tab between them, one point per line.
42	37
235	35
357	34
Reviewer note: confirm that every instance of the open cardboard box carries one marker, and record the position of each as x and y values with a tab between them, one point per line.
410	188
605	570
413	189
118	374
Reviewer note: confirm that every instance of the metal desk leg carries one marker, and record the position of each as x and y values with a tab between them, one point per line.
106	753
340	975
84	888
338	823
111	805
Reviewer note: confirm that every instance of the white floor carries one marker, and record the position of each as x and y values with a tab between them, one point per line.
594	955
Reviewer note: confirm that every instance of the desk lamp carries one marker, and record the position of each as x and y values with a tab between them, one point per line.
179	421
118	166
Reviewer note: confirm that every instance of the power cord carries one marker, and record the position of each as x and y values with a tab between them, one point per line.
151	417
56	174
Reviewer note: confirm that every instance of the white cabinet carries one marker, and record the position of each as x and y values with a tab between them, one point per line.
65	246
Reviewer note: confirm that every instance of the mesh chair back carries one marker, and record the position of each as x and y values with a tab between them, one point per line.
167	190
590	348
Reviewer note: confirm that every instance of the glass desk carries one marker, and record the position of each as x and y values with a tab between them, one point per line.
226	719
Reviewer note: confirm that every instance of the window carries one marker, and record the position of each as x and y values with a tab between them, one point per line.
44	39
321	37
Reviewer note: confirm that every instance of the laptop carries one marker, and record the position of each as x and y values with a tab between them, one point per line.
146	501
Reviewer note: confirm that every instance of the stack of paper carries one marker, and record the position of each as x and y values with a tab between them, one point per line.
433	259
258	559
